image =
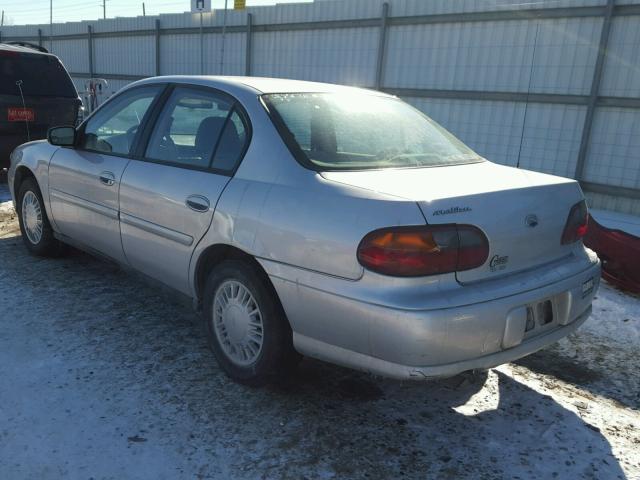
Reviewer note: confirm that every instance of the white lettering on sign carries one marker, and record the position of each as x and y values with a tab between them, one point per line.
198	6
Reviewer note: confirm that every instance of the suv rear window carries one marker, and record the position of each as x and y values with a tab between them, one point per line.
336	131
41	75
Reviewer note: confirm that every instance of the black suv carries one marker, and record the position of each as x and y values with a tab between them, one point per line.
36	93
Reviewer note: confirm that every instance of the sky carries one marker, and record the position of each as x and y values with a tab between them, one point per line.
21	12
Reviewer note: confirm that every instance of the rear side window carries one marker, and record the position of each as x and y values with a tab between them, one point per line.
198	128
41	75
188	128
231	144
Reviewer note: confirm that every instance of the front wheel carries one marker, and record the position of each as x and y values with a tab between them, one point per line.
36	230
246	326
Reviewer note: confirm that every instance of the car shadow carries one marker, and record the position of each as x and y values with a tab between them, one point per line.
566	369
427	430
148	358
600	374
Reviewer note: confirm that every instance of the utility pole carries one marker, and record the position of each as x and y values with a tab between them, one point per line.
50	25
144	13
201	46
104	9
224	32
2	20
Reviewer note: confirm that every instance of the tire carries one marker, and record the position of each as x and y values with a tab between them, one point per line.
233	332
36	230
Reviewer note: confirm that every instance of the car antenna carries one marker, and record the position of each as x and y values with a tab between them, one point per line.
526	103
24	107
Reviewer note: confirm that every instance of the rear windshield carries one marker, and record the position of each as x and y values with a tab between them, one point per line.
336	131
41	75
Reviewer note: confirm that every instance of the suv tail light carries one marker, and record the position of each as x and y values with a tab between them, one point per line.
577	223
423	250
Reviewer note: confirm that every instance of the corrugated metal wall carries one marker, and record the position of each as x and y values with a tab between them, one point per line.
520	82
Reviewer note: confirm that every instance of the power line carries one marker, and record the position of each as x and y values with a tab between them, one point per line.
46	10
37	11
65	5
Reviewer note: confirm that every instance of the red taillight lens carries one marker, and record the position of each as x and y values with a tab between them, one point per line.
423	250
577	223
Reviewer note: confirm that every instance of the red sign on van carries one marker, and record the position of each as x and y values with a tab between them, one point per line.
17	114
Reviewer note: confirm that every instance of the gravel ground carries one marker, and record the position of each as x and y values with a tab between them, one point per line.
102	376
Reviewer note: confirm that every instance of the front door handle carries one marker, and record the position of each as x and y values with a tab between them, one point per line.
107	178
198	203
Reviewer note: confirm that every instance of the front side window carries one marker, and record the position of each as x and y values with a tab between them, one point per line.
113	128
198	128
337	131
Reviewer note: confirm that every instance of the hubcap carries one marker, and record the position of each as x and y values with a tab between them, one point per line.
32	217
237	323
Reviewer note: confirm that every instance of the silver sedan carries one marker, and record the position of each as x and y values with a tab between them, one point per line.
315	219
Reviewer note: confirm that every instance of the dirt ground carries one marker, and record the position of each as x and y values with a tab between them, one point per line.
104	377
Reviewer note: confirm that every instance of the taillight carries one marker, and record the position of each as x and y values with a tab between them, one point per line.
577	223
423	250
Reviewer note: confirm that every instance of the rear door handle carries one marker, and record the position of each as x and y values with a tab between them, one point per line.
198	203
107	178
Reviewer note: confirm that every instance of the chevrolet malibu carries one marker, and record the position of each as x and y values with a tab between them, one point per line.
315	219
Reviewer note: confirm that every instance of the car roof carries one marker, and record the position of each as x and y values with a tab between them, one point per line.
261	85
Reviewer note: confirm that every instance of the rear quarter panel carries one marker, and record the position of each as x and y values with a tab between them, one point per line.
309	223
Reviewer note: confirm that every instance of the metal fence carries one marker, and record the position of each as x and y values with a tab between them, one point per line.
548	85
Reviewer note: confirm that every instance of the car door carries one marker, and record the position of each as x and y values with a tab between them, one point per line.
168	197
84	181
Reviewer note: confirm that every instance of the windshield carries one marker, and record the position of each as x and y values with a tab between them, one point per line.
41	75
336	131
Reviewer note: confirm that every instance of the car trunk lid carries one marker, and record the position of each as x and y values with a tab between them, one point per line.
522	213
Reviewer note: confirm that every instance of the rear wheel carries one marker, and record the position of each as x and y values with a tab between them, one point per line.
36	230
246	326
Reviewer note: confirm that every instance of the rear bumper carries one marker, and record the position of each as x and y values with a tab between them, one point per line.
378	366
421	344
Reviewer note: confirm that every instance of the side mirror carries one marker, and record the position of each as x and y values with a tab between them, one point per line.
62	136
